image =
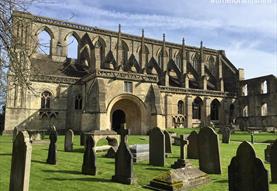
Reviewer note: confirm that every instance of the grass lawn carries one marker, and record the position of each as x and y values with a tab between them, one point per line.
66	175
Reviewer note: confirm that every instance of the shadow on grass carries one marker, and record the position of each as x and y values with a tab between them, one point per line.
5	154
221	181
79	150
40	162
63	171
157	169
93	179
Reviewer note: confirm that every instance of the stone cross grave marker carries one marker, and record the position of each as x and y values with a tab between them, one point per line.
167	138
209	155
180	163
157	147
226	133
192	149
21	162
89	159
273	162
246	172
123	160
68	141
52	150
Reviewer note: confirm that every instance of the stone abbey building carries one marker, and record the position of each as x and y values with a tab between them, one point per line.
121	78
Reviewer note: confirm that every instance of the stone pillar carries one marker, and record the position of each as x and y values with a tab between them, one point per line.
166	79
206	112
186	81
188	111
220	84
168	111
204	82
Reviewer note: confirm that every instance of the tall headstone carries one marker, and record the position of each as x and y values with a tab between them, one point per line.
68	141
89	160
192	149
246	172
226	133
21	162
267	153
157	147
273	162
167	139
52	150
180	163
209	155
123	160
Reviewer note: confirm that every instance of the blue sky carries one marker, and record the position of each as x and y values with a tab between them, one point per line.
245	29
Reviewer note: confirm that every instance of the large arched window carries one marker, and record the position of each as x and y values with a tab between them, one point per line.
215	109
196	108
45	100
72	47
196	62
264	87
212	65
181	107
44	43
245	111
78	102
178	61
264	109
244	90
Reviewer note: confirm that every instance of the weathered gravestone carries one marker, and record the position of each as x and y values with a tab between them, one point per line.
180	163
246	172
89	160
111	152
273	162
52	150
192	149
140	152
267	153
209	156
226	133
167	139
68	141
21	162
123	160
157	147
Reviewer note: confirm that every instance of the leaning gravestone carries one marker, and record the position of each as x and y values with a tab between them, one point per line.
68	141
167	139
192	149
273	162
209	156
123	160
21	162
246	172
89	160
226	132
157	147
52	150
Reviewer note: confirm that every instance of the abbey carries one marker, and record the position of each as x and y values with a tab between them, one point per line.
121	78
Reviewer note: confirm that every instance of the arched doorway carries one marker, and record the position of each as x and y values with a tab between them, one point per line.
118	118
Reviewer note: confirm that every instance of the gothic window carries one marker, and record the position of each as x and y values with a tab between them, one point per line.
264	87
178	61
212	65
215	110
125	53
264	109
128	87
245	111
146	52
78	102
101	48
44	43
196	62
45	100
196	108
244	90
160	59
181	107
72	47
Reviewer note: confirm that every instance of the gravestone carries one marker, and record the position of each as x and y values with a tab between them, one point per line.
111	152
246	172
123	160
208	146
140	152
21	162
267	153
82	138
180	163
68	141
89	159
273	162
192	148
167	139
226	132
52	150
112	141
157	147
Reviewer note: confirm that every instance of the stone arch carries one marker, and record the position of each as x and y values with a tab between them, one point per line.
133	65
145	48
215	106
74	34
134	109
44	41
197	105
47	29
160	51
152	67
100	40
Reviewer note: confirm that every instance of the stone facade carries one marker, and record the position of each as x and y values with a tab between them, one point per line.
118	78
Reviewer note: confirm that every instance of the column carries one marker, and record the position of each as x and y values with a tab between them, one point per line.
189	111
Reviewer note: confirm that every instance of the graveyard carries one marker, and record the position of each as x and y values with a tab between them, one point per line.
66	174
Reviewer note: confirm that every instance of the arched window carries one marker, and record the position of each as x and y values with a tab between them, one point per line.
196	62
44	43
196	108
181	107
146	53
244	90
212	65
178	61
160	59
78	102
264	109
245	111
101	48
72	47
45	100
125	53
215	109
264	87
